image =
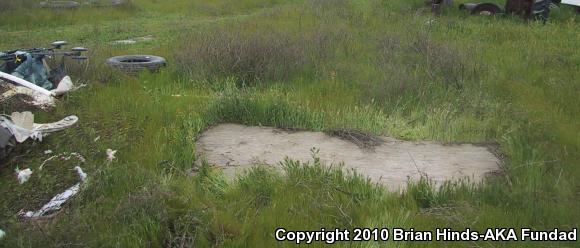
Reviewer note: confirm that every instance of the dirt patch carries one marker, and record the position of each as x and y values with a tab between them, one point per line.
234	148
19	102
18	98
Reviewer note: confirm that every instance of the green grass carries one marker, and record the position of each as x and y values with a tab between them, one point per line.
371	65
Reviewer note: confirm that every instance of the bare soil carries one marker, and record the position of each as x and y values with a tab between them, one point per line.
234	148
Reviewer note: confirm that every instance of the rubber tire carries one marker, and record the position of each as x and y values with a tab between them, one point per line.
490	8
134	64
59	4
479	8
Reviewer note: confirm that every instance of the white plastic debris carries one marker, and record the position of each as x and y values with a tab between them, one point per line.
38	99
2	234
81	173
18	123
571	2
111	155
133	40
97	139
48	152
64	86
23	175
23	119
430	22
58	200
24	83
55	203
22	126
64	157
39	96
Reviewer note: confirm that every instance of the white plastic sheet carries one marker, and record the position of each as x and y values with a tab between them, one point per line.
58	200
571	2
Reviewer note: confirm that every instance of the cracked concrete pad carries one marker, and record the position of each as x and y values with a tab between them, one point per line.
234	148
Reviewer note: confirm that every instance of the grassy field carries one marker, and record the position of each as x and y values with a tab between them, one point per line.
378	66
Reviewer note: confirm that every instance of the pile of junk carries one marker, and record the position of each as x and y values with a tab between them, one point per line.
26	77
527	9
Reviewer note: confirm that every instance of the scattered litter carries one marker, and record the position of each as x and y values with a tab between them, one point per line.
64	86
430	22
22	126
132	41
111	155
24	119
63	157
48	152
58	200
23	175
56	126
20	81
2	234
97	139
32	97
82	174
26	73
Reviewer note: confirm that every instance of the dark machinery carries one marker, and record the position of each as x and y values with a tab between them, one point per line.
527	9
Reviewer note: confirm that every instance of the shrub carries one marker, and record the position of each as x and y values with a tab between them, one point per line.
440	61
248	57
409	66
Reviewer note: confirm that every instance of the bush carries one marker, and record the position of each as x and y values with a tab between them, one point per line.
247	57
410	66
440	61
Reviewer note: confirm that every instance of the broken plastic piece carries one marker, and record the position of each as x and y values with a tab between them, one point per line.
64	157
64	86
23	175
82	174
111	155
24	83
56	126
58	200
59	44
20	133
22	126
